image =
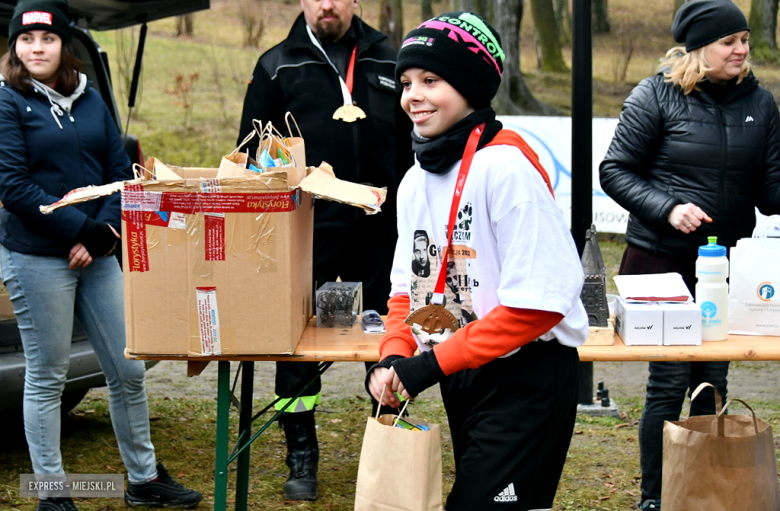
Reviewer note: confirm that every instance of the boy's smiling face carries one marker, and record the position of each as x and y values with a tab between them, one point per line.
433	104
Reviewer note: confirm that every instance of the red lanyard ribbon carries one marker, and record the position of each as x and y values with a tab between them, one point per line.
351	70
465	165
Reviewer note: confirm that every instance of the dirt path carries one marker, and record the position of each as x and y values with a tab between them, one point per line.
748	380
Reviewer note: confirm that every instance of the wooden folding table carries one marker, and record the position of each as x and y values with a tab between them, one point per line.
328	345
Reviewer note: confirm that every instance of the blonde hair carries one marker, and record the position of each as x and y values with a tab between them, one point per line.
687	69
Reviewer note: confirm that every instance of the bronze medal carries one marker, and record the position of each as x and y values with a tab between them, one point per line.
433	319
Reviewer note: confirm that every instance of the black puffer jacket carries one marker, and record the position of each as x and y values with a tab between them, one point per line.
672	149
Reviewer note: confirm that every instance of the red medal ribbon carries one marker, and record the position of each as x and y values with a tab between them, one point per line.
351	71
465	165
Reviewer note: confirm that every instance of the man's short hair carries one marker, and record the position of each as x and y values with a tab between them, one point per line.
420	234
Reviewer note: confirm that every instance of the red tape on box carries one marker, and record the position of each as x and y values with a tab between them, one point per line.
190	203
215	236
137	253
141	208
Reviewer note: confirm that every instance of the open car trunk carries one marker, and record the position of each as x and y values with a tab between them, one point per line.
113	14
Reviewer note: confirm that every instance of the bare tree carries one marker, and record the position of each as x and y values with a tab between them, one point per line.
185	25
600	17
463	5
513	96
763	24
551	58
426	9
563	21
391	21
677	5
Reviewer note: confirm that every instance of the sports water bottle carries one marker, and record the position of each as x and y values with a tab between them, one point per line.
712	291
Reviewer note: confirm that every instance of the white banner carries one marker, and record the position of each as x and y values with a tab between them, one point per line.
550	137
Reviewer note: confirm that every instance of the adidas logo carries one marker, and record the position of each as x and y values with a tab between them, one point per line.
749	119
508	495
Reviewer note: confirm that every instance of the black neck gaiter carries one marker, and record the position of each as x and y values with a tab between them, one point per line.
437	155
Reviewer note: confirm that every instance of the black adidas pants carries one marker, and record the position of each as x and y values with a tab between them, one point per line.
511	422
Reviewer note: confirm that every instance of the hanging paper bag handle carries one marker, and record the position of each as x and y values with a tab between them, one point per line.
257	124
244	142
718	403
723	412
139	175
287	118
401	413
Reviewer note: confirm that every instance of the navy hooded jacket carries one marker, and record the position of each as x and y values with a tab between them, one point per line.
43	158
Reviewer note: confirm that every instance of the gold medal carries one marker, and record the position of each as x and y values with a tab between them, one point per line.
349	113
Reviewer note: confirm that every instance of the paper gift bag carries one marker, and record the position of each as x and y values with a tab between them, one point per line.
400	469
719	462
754	282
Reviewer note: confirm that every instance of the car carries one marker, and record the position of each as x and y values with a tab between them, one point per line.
84	372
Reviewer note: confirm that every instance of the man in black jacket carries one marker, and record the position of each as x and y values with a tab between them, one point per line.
331	58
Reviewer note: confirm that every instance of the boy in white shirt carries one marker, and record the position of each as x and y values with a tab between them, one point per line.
517	273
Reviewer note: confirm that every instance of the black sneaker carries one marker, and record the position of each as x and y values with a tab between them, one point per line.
651	505
56	504
162	492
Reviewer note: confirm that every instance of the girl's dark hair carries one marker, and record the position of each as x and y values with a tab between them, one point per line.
18	77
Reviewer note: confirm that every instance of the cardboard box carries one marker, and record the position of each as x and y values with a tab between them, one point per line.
682	324
639	324
226	269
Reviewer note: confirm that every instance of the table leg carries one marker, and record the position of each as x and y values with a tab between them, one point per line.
244	424
223	422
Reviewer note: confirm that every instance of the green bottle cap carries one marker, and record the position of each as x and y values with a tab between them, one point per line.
712	240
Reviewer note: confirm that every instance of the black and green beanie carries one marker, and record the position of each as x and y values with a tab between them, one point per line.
49	15
462	48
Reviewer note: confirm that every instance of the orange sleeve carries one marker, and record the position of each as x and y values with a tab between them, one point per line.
398	339
503	330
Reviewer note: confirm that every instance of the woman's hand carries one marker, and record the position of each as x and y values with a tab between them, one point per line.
376	382
79	257
687	217
394	382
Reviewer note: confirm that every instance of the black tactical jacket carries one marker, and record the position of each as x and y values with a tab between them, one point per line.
672	149
294	76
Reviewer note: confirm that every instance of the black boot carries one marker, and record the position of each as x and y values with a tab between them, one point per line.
303	454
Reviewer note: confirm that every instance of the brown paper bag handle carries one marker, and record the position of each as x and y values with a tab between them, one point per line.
718	398
718	404
287	118
722	412
381	402
243	143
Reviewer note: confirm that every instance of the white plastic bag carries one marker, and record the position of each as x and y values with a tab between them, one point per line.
754	281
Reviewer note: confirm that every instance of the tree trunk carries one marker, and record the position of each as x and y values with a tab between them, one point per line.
763	24
563	21
513	96
463	5
547	37
426	9
391	16
600	17
677	5
185	25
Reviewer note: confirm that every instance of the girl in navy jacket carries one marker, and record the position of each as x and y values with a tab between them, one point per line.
58	135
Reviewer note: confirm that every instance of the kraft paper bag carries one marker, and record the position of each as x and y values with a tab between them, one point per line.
754	282
719	462
400	469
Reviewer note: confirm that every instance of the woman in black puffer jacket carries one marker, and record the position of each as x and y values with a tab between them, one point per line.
696	150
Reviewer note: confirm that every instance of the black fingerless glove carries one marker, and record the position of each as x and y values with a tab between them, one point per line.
418	373
97	238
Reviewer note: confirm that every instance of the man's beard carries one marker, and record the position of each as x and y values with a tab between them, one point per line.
329	32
